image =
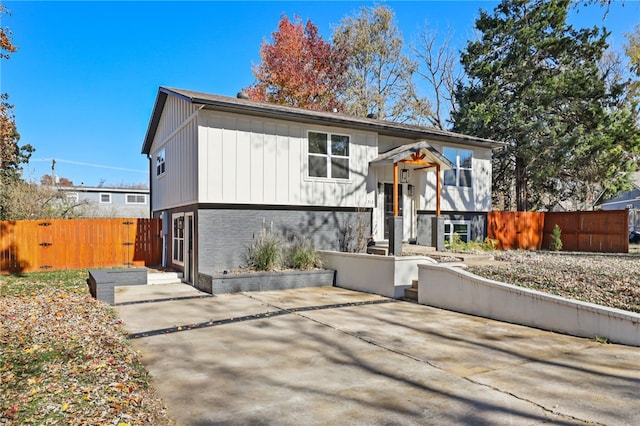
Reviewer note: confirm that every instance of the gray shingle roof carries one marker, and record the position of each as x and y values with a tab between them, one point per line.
263	109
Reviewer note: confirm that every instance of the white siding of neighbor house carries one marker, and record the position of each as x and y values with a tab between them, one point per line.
252	160
177	134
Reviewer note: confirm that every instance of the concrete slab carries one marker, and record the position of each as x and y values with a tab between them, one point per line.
335	356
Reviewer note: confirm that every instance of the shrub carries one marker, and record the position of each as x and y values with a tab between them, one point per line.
265	252
556	239
302	255
456	244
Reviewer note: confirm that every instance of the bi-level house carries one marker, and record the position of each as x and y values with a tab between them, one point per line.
223	168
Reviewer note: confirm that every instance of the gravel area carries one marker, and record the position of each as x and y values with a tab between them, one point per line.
609	280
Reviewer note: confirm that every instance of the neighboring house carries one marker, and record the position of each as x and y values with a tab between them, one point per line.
625	200
222	168
108	202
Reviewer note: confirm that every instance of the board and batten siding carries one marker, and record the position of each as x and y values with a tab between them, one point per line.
476	198
177	134
253	160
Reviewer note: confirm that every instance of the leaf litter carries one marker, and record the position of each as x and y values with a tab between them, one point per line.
65	359
603	279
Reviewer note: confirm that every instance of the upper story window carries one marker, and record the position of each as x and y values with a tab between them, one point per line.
136	199
105	198
160	162
462	159
328	155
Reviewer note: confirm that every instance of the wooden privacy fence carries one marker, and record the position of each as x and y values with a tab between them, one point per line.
55	244
605	231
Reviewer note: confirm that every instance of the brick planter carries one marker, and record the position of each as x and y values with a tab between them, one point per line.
263	281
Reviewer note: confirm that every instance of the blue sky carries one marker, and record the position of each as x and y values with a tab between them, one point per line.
86	74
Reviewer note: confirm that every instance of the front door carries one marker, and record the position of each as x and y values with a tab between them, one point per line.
388	205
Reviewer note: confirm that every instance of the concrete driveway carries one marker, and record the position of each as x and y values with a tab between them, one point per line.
325	356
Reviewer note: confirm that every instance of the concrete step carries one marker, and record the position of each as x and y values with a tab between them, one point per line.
414	284
411	293
164	277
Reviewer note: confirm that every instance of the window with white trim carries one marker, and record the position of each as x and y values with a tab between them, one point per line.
160	162
72	197
136	199
178	239
328	155
462	159
461	228
105	198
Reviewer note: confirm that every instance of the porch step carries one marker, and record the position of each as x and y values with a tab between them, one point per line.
412	293
154	277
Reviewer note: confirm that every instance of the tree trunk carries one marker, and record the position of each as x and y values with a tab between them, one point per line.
521	184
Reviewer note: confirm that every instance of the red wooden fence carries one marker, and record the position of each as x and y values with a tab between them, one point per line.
55	244
605	231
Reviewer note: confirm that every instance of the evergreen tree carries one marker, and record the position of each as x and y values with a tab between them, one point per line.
535	83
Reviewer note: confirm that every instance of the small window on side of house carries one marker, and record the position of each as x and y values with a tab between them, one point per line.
105	198
160	162
136	199
72	197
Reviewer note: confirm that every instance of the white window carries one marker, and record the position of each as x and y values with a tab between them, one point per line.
461	228
160	162
136	199
105	198
178	239
72	197
462	159
328	155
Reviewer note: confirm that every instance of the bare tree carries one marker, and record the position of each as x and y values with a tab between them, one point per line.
437	65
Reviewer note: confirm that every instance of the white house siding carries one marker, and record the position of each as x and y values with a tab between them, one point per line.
177	135
264	162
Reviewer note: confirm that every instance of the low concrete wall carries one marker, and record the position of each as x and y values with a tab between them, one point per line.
263	281
102	281
384	275
457	290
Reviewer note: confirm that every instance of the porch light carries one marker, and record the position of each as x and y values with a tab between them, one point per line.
404	176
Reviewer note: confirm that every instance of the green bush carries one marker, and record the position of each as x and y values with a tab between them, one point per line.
265	253
556	239
302	255
456	244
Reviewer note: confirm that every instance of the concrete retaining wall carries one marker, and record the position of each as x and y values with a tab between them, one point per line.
384	275
454	289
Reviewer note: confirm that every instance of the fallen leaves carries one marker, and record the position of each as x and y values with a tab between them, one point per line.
608	280
65	359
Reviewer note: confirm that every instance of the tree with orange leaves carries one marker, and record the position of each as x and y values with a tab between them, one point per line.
300	69
11	155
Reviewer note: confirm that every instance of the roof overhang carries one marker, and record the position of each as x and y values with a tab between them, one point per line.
302	115
420	153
